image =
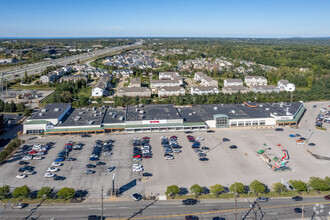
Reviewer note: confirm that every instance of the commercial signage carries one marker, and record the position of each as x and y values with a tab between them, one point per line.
154	122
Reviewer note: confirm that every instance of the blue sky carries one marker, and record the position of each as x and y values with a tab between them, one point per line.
165	18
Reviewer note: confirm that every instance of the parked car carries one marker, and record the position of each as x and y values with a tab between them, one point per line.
111	168
201	155
88	171
189	202
169	157
90	166
58	178
327	197
225	139
57	164
203	159
279	129
59	159
136	197
28	157
147	174
298	210
85	135
52	169
311	144
191	217
205	148
232	146
177	151
49	175
18	205
29	172
71	159
100	163
21	176
23	162
37	158
107	153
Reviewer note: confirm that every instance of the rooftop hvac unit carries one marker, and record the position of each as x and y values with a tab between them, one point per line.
93	108
232	111
56	109
194	112
275	113
121	118
260	106
215	108
40	114
141	111
267	109
43	110
190	114
81	113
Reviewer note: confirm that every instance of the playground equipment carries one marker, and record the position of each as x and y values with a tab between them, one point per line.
261	151
281	163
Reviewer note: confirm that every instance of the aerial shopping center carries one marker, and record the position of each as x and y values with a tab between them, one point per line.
61	118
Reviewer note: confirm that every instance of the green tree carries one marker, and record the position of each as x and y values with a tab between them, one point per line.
66	96
217	189
318	183
172	190
238	188
196	189
279	187
21	192
298	185
4	191
2	104
66	193
257	187
28	112
12	106
83	100
44	192
327	180
99	100
21	107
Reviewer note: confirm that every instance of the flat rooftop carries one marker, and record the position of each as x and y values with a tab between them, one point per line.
151	112
84	117
190	115
114	115
50	111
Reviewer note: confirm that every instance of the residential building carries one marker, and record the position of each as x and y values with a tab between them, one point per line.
135	82
232	82
205	80
134	91
73	78
235	89
253	81
265	89
284	85
100	87
171	91
122	73
6	60
204	90
49	78
170	76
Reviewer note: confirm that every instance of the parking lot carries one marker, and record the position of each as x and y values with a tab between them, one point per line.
224	166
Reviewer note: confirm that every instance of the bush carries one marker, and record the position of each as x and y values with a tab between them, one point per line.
21	192
197	190
257	187
238	188
318	184
66	193
217	189
279	188
4	192
172	190
298	185
44	191
9	149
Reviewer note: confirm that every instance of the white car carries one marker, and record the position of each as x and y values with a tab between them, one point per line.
49	175
137	159
37	157
137	169
21	176
199	138
169	158
57	164
37	147
137	165
177	151
52	169
107	153
28	157
163	137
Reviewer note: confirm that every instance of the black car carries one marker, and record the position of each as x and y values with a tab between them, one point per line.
203	159
209	131
71	159
297	198
90	166
23	162
311	144
279	129
205	148
188	132
225	139
100	163
314	106
302	138
298	210
58	178
218	218
146	174
85	135
233	147
189	202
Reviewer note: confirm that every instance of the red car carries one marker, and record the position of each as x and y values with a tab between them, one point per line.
147	156
146	138
327	197
32	152
174	137
137	156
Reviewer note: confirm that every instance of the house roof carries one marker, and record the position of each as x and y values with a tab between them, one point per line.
234	80
171	88
135	89
204	88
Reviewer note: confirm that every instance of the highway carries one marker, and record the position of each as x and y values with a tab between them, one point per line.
276	208
36	68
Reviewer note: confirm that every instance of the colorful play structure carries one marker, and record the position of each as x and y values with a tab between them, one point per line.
280	163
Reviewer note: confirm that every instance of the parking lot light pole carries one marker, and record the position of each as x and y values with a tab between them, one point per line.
309	137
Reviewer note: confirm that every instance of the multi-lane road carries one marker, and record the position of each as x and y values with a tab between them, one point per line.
277	208
35	68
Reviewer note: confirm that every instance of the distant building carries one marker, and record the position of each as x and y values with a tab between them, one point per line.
134	91
204	90
171	91
6	60
232	82
235	89
253	81
73	78
205	80
49	78
100	87
284	85
123	73
265	89
135	82
155	84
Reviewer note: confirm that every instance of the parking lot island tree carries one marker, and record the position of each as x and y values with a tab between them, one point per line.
257	187
196	189
217	189
318	183
22	192
237	188
279	188
66	193
172	191
4	192
44	192
299	185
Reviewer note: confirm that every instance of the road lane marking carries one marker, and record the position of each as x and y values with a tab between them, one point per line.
221	211
61	209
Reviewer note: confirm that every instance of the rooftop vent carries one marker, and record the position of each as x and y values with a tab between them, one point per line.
232	111
194	112
275	113
260	106
43	110
215	108
141	111
267	109
56	109
40	114
190	114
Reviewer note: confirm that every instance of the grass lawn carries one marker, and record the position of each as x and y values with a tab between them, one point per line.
85	91
17	86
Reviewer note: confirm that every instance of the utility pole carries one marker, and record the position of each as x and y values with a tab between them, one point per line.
102	203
